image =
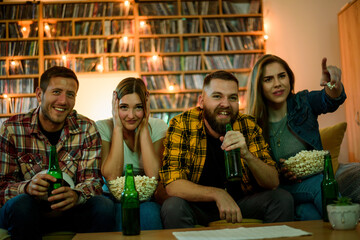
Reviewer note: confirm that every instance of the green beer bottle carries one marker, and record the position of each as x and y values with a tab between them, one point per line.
54	170
130	204
232	162
329	186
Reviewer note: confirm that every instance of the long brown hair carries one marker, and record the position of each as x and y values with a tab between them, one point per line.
256	102
134	85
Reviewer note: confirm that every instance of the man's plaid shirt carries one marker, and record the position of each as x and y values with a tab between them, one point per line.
185	148
24	152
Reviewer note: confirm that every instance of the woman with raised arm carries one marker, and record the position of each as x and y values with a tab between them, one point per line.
289	122
132	136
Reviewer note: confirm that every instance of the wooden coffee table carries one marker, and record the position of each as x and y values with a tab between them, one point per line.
320	230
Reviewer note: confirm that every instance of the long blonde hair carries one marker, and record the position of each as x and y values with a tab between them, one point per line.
134	85
256	102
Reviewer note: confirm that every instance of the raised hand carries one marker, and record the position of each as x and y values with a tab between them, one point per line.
331	76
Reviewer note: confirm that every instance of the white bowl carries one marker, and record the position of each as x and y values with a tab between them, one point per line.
343	217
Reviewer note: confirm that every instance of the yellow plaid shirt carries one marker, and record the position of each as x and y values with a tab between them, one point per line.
185	148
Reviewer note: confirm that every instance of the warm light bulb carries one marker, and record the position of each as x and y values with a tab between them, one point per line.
266	37
125	39
63	57
5	96
171	87
127	3
100	67
47	27
142	23
13	63
24	29
154	57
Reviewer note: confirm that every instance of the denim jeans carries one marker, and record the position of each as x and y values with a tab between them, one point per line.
149	216
307	197
28	218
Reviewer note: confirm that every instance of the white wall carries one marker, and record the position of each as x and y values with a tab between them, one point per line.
302	32
95	93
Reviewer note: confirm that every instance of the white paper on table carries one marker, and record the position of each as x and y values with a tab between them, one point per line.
242	233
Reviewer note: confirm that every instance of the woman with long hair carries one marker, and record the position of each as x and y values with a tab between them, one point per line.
132	136
289	122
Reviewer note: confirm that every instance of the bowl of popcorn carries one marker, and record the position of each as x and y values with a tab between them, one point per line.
144	185
306	163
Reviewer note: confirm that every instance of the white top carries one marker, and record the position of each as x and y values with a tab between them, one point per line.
157	131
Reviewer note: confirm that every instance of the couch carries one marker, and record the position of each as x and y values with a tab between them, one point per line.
347	175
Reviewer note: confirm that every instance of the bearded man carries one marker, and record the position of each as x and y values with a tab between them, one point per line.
193	170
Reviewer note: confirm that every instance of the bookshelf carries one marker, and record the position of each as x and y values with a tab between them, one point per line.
182	41
170	44
19	57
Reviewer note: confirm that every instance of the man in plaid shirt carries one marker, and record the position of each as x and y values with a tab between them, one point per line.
193	168
25	139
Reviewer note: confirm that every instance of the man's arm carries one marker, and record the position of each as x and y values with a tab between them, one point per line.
88	176
10	183
255	153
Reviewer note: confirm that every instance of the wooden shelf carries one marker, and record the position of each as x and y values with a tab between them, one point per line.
228	47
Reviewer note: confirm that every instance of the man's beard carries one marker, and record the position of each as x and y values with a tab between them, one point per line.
219	126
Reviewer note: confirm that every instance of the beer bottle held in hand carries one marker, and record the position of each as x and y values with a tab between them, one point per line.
329	186
130	204
232	162
54	170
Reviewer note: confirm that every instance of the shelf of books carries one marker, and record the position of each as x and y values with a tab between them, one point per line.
182	41
171	45
19	57
89	36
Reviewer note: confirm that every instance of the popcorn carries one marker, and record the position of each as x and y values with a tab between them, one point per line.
331	86
306	163
144	185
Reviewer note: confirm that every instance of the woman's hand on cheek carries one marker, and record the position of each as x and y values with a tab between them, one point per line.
115	111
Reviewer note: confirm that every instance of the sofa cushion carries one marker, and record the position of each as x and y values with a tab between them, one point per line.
331	138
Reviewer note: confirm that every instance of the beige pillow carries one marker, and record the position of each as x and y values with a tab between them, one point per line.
331	138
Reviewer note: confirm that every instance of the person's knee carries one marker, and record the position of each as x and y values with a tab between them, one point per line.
100	212
176	213
20	211
101	205
24	205
174	207
150	208
282	198
150	216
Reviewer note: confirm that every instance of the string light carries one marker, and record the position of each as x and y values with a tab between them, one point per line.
100	68
171	88
125	39
127	3
266	37
142	23
154	57
47	27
